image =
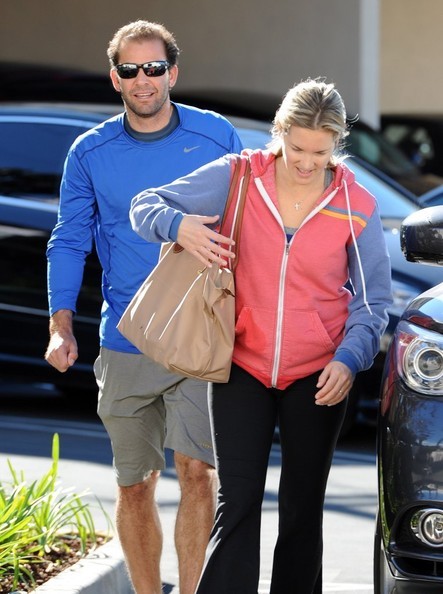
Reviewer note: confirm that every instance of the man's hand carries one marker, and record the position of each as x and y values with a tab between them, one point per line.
200	241
62	349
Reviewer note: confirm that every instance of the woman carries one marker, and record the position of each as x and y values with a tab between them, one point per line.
312	289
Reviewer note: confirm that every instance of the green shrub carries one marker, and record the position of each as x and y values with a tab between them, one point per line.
35	519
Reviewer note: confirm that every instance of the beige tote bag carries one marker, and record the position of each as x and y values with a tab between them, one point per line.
183	315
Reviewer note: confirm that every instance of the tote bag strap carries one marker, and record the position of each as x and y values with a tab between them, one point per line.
239	206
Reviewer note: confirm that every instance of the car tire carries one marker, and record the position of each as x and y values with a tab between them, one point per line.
384	582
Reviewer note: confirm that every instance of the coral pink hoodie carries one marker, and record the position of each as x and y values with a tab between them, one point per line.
293	310
291	304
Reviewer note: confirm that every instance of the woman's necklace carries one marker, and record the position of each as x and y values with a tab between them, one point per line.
328	179
297	205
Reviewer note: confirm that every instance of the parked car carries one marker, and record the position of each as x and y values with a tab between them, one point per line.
29	181
408	544
371	146
419	136
33	145
25	225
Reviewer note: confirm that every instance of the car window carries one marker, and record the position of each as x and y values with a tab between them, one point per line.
32	156
374	148
413	140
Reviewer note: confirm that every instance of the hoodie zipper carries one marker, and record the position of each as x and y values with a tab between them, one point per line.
283	268
280	309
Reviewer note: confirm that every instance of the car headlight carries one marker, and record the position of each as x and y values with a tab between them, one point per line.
427	526
420	358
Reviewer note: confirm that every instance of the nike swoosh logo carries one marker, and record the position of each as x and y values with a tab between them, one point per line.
189	149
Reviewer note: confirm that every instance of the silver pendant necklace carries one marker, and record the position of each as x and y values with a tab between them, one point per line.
327	181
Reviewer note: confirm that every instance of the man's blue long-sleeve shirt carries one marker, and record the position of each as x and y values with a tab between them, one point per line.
104	170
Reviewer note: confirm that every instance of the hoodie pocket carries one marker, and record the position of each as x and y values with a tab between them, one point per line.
254	334
304	339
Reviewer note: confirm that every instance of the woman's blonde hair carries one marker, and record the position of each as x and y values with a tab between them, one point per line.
312	104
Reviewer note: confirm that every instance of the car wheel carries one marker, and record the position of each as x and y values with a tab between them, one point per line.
384	582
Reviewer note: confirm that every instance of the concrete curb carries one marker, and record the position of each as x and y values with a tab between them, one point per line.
101	572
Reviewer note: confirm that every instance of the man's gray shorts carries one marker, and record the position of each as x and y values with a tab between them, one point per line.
145	409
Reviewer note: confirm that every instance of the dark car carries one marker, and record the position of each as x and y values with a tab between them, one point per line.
372	147
33	145
25	225
408	546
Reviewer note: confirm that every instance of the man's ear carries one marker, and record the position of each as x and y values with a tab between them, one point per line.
115	80
173	75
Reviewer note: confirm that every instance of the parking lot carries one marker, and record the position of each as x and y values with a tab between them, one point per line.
29	420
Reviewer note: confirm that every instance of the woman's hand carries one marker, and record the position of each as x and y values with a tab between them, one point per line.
335	382
199	240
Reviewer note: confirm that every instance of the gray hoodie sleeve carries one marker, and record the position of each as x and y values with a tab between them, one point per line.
155	214
368	315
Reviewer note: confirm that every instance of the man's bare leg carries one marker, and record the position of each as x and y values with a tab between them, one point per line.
140	534
195	518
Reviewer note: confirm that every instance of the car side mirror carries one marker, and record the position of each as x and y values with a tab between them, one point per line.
421	236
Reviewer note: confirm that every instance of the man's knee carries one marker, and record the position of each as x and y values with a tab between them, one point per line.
194	476
139	492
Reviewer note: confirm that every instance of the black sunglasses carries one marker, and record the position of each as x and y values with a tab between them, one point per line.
157	68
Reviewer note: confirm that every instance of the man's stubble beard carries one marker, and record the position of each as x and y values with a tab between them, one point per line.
150	111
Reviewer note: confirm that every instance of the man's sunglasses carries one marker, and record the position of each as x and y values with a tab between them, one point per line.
157	68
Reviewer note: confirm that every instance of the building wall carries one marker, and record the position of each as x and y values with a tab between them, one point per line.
411	55
248	44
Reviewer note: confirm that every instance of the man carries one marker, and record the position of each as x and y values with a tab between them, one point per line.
143	407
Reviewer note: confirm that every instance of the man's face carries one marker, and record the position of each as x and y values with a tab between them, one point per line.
146	98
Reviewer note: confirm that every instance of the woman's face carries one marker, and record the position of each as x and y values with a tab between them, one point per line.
306	153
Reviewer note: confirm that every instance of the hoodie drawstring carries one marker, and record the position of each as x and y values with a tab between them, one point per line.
360	267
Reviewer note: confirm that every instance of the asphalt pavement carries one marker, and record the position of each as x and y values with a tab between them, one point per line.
349	509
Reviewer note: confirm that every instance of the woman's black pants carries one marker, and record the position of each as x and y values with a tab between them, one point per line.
244	415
